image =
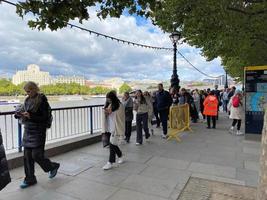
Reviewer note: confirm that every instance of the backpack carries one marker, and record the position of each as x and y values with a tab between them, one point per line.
49	117
236	101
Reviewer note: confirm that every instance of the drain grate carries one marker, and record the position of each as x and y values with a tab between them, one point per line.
202	189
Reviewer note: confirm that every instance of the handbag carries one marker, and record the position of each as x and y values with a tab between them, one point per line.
105	138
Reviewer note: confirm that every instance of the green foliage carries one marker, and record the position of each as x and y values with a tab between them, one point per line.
125	88
7	88
234	30
56	14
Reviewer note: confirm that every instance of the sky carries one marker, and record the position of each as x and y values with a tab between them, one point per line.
74	52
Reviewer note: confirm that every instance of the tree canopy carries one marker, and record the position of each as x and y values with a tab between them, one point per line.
125	88
234	30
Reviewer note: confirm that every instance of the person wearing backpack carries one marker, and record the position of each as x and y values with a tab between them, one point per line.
235	107
36	115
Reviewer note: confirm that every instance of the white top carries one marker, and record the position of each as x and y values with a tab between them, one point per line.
111	122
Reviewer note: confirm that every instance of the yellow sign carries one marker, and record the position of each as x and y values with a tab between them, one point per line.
249	68
179	121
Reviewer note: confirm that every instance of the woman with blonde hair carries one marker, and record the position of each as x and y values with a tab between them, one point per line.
35	115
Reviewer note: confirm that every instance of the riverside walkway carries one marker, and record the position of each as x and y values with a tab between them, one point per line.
157	170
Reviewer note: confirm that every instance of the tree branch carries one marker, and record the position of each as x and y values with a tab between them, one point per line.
245	12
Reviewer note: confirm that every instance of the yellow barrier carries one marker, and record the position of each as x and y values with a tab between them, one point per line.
179	121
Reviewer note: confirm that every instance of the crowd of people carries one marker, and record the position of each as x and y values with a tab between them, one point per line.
118	116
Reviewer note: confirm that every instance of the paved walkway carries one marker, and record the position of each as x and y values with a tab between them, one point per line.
157	170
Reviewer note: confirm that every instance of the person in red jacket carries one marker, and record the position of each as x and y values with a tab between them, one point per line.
211	108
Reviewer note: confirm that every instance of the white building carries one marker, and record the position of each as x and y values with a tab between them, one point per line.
32	73
69	79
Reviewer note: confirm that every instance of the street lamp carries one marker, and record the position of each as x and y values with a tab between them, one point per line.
175	37
226	81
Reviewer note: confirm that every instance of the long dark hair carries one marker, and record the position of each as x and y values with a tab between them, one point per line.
143	99
115	102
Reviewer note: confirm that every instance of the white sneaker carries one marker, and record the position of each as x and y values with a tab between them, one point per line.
164	136
239	133
231	130
137	144
108	166
121	160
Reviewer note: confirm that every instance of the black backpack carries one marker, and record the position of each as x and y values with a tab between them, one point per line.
49	117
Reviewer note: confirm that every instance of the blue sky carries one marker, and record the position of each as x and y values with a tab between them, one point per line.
73	52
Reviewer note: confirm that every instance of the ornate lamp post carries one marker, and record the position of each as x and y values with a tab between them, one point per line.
226	80
175	37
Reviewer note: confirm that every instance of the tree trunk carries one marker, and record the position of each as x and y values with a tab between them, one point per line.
262	188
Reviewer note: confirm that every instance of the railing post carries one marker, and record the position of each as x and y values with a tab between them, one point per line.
20	136
91	121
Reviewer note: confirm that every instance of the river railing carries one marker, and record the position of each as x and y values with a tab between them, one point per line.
68	122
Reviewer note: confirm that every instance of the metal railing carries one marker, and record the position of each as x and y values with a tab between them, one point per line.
67	123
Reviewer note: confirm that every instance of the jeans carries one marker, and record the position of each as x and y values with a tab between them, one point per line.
32	155
225	103
164	120
238	122
113	151
213	121
141	122
128	130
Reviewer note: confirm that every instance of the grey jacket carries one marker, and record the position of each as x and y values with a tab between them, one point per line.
4	172
128	105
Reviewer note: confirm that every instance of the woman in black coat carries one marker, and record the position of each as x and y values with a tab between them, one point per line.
4	173
35	117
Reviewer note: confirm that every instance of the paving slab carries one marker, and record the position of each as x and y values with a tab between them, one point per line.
87	190
201	189
150	186
124	194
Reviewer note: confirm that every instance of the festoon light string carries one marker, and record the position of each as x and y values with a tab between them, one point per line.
127	42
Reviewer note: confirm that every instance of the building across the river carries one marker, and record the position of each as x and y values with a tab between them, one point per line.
33	73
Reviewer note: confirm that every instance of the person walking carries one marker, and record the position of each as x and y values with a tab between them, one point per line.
164	101
196	97
211	109
202	99
114	124
127	102
4	172
155	109
35	116
150	111
235	107
225	99
141	108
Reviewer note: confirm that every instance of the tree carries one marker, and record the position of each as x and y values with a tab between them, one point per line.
234	30
125	88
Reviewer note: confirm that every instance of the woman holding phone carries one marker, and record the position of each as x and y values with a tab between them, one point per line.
34	115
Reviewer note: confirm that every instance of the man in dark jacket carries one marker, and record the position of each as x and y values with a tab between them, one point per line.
164	101
4	173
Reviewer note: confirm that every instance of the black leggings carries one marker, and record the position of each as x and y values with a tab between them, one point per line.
238	121
114	150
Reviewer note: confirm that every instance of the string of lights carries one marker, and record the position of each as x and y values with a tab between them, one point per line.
127	42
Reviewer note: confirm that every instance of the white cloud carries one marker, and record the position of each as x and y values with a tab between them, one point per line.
71	51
